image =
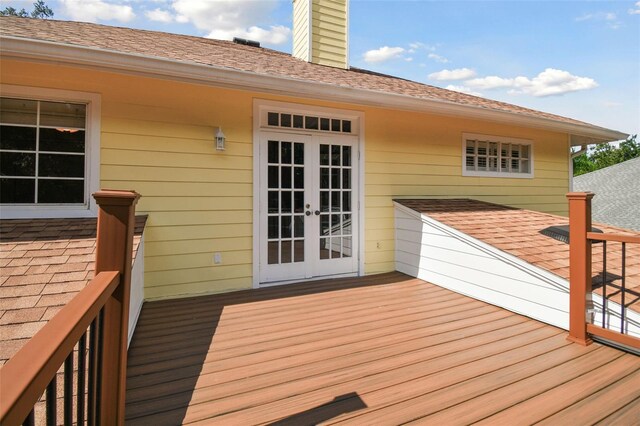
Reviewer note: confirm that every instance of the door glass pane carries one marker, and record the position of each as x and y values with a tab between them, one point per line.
286	177
346	178
324	224
346	224
324	248
285	255
285	206
298	251
324	155
336	247
298	229
298	202
273	201
346	156
346	201
273	177
335	178
335	201
324	201
324	178
298	177
298	153
335	155
346	246
286	153
273	252
273	227
285	229
273	152
335	224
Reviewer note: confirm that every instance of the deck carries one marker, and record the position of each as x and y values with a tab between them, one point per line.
383	349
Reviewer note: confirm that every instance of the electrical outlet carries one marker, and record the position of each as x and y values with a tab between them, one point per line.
217	258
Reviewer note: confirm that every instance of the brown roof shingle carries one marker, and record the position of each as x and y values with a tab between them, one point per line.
260	61
44	263
517	232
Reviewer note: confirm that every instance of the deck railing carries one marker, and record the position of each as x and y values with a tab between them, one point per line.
581	311
85	344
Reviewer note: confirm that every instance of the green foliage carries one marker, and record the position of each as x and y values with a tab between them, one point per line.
605	155
40	10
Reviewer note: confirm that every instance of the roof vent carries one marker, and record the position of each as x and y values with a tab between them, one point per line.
244	41
561	232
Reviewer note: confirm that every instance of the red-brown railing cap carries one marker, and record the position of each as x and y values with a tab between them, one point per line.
580	195
116	197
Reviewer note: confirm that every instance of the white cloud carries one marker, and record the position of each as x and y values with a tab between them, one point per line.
635	11
609	18
548	83
456	74
490	82
159	15
94	10
438	58
275	35
463	89
382	54
226	19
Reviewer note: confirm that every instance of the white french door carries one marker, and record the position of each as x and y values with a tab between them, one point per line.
308	219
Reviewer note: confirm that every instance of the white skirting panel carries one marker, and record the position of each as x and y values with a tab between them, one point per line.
137	288
432	251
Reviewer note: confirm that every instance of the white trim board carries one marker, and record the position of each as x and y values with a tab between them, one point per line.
437	253
259	108
137	64
92	153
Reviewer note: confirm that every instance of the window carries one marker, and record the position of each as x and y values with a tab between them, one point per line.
45	153
496	156
308	122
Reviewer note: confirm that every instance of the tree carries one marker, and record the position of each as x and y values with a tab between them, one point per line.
605	155
40	10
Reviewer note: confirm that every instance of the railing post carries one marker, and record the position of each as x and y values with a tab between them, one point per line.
116	222
580	303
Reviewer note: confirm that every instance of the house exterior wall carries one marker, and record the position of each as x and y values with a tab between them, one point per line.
157	138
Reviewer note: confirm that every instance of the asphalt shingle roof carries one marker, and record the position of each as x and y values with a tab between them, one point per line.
517	232
260	61
617	189
44	263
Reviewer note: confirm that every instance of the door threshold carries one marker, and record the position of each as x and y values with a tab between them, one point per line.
306	280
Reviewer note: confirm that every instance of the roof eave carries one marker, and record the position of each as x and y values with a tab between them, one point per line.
66	54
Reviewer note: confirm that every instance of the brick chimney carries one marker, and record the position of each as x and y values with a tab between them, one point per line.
320	32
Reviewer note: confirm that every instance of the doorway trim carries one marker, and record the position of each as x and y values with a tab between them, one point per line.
260	108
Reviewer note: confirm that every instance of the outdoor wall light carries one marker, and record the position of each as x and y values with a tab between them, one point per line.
220	139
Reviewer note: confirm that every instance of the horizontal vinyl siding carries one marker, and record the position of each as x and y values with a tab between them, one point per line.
157	138
329	33
412	155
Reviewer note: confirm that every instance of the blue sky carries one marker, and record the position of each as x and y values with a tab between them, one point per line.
579	59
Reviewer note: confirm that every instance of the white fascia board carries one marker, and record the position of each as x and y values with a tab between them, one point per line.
94	58
510	259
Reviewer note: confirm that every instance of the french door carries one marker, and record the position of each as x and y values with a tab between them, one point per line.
308	217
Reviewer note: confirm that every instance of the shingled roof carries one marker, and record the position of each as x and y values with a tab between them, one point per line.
45	263
617	189
517	232
220	54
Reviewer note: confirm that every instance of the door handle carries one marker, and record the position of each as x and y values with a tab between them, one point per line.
317	212
308	213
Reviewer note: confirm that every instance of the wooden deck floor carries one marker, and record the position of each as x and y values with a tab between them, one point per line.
383	349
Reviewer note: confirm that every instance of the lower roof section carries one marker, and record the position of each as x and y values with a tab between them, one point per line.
44	264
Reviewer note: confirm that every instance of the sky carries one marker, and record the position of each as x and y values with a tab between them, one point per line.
579	59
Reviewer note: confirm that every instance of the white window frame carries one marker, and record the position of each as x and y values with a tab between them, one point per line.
92	153
500	140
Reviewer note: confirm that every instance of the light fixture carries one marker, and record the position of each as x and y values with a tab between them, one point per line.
220	138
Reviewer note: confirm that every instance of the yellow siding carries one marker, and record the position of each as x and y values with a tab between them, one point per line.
329	33
301	29
157	138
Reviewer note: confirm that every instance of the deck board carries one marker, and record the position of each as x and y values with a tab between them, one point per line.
386	349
